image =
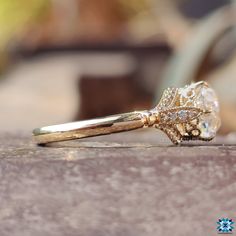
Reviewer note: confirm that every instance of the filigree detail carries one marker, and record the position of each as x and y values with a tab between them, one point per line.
172	132
178	115
168	98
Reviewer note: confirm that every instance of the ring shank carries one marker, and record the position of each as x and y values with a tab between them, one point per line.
89	128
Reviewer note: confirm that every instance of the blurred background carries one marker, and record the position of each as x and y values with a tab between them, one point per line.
65	60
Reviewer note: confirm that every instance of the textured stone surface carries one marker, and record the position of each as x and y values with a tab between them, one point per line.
132	184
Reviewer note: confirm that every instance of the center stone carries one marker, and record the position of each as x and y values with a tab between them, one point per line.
206	99
208	123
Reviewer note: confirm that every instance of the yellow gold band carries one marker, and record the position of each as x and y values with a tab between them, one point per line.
89	128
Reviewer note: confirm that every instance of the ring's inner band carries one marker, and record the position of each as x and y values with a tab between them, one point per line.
89	128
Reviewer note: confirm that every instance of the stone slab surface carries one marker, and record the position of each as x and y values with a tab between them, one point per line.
134	184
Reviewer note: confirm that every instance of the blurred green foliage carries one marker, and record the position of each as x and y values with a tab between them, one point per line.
134	7
15	15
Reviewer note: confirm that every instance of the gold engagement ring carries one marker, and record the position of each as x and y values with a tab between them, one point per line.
188	113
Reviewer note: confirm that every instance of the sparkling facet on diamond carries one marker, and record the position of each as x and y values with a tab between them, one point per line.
209	124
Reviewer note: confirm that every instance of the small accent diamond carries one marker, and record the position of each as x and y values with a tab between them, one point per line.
183	115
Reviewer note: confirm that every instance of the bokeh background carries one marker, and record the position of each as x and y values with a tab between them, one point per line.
65	60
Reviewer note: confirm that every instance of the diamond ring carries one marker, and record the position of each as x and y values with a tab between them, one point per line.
188	113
